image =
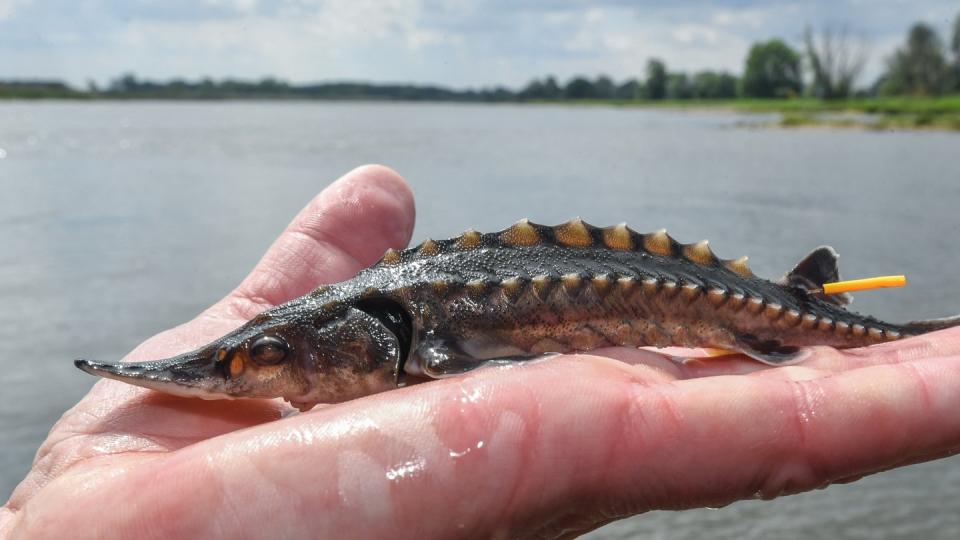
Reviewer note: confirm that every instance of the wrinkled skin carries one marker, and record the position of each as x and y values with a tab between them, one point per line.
567	443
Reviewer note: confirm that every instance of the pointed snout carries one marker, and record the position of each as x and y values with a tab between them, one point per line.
192	374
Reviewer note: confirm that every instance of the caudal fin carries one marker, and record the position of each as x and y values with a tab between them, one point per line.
922	327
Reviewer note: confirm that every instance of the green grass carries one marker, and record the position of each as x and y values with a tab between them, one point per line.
878	105
891	112
32	93
883	122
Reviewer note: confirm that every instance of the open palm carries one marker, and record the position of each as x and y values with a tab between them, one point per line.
542	449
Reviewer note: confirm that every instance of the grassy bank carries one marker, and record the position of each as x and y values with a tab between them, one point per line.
878	105
879	113
39	93
872	105
881	122
869	113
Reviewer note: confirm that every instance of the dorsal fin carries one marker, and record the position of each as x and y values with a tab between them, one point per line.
817	268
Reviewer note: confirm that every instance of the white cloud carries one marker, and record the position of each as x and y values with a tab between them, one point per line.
418	39
9	7
750	18
306	41
452	42
594	16
695	34
621	43
242	6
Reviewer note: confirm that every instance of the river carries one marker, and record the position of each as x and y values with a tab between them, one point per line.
118	220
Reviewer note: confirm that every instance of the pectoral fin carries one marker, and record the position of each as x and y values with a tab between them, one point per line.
771	352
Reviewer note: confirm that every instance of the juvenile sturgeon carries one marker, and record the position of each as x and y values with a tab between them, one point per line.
449	306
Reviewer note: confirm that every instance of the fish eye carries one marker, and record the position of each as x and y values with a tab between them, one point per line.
268	350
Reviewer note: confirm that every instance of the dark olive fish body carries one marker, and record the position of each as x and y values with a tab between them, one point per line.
449	306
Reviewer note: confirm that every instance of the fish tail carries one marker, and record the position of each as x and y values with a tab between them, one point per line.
930	325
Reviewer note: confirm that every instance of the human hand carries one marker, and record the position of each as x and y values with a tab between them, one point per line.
540	449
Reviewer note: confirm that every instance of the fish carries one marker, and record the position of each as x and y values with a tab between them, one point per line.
446	307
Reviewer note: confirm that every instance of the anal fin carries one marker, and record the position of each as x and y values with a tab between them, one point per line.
712	352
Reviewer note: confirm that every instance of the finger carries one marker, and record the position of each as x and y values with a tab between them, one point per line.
819	361
681	364
941	343
675	363
344	229
572	443
828	360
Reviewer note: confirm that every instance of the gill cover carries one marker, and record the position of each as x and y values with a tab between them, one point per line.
356	353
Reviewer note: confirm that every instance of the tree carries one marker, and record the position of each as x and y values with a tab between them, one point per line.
772	70
955	41
656	85
955	49
919	67
579	88
835	60
713	85
603	88
551	90
630	89
498	93
534	90
678	86
126	83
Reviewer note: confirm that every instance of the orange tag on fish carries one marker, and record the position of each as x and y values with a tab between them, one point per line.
866	284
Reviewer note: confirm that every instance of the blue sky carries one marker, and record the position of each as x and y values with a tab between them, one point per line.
451	42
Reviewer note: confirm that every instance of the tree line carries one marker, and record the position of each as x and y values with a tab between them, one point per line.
923	65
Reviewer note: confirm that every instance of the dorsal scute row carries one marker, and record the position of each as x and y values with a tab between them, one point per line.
574	234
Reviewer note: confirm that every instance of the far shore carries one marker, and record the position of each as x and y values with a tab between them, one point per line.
872	113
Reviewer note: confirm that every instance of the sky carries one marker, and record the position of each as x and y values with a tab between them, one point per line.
456	43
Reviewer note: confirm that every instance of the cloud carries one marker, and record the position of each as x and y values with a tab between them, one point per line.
750	18
9	7
453	42
241	6
695	34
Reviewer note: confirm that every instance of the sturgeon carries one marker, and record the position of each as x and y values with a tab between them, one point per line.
449	306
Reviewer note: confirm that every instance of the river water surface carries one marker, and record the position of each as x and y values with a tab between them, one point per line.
118	220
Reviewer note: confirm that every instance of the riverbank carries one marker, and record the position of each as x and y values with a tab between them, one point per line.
875	122
875	113
150	176
866	113
872	113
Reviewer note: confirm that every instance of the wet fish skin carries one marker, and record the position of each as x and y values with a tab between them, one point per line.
448	306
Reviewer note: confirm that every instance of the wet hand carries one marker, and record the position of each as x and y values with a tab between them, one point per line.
546	448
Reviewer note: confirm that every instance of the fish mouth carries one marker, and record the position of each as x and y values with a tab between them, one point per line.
189	375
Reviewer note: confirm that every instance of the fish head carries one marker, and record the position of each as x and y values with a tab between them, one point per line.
296	351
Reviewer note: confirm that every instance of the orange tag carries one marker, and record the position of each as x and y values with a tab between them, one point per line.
881	282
